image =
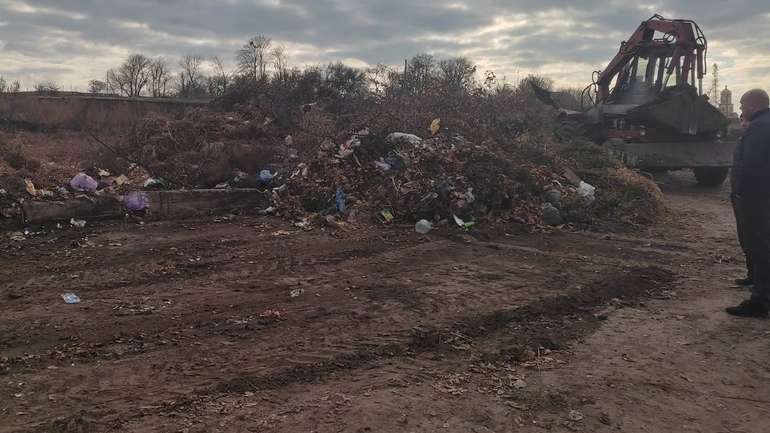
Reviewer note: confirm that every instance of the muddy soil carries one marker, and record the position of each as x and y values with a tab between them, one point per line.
250	324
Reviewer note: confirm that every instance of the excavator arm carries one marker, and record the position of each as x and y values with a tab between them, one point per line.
684	36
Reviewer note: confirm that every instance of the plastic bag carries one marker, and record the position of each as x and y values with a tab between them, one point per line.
84	182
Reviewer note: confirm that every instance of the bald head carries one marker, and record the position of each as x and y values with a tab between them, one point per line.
754	101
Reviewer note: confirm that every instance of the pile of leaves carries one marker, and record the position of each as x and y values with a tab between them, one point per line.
623	195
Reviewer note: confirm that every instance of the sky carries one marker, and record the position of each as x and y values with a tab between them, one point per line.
73	41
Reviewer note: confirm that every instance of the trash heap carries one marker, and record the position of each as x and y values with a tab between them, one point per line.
15	190
311	168
401	176
314	164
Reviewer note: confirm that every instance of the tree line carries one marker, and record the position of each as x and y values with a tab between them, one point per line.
260	63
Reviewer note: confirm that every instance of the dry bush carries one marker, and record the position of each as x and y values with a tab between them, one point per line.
200	148
13	154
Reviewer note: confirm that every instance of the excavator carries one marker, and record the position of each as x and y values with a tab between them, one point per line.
647	106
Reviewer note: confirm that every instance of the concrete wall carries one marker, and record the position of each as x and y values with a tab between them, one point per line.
83	112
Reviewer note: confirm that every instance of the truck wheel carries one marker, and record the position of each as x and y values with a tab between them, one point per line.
711	176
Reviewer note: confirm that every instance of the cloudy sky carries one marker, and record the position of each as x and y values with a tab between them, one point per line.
73	41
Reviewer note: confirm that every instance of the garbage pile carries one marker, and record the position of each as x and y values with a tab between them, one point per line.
15	189
402	176
315	164
313	167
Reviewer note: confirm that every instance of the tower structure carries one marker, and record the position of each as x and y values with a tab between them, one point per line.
714	92
726	102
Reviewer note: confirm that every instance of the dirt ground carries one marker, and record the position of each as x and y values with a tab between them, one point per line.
250	324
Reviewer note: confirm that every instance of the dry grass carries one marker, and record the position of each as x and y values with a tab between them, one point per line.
50	113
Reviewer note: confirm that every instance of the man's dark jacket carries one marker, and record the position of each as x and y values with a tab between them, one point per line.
750	175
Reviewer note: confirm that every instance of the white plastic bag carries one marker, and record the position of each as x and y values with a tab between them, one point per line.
587	191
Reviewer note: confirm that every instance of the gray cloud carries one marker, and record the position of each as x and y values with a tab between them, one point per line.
72	41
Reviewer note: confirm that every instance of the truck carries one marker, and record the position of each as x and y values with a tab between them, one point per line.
648	107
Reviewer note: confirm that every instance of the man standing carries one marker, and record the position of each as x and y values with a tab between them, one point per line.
739	220
751	198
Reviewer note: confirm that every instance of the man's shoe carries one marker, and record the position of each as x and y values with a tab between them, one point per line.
748	309
744	282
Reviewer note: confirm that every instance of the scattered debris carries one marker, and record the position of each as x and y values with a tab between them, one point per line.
404	138
77	223
519	384
121	180
575	416
587	191
44	193
551	215
339	201
267	211
296	293
70	298
423	227
347	148
155	183
463	224
84	183
386	215
265	176
136	201
435	126
270	314
30	187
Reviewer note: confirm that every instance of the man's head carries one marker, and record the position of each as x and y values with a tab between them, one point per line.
754	101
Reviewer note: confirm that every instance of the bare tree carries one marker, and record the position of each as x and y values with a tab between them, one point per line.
132	76
14	87
97	86
190	78
419	75
46	87
344	81
160	77
456	74
218	82
252	58
3	84
378	79
280	62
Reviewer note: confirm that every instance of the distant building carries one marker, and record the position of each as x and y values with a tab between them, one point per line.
726	103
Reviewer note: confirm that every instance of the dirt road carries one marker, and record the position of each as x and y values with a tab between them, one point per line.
254	325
